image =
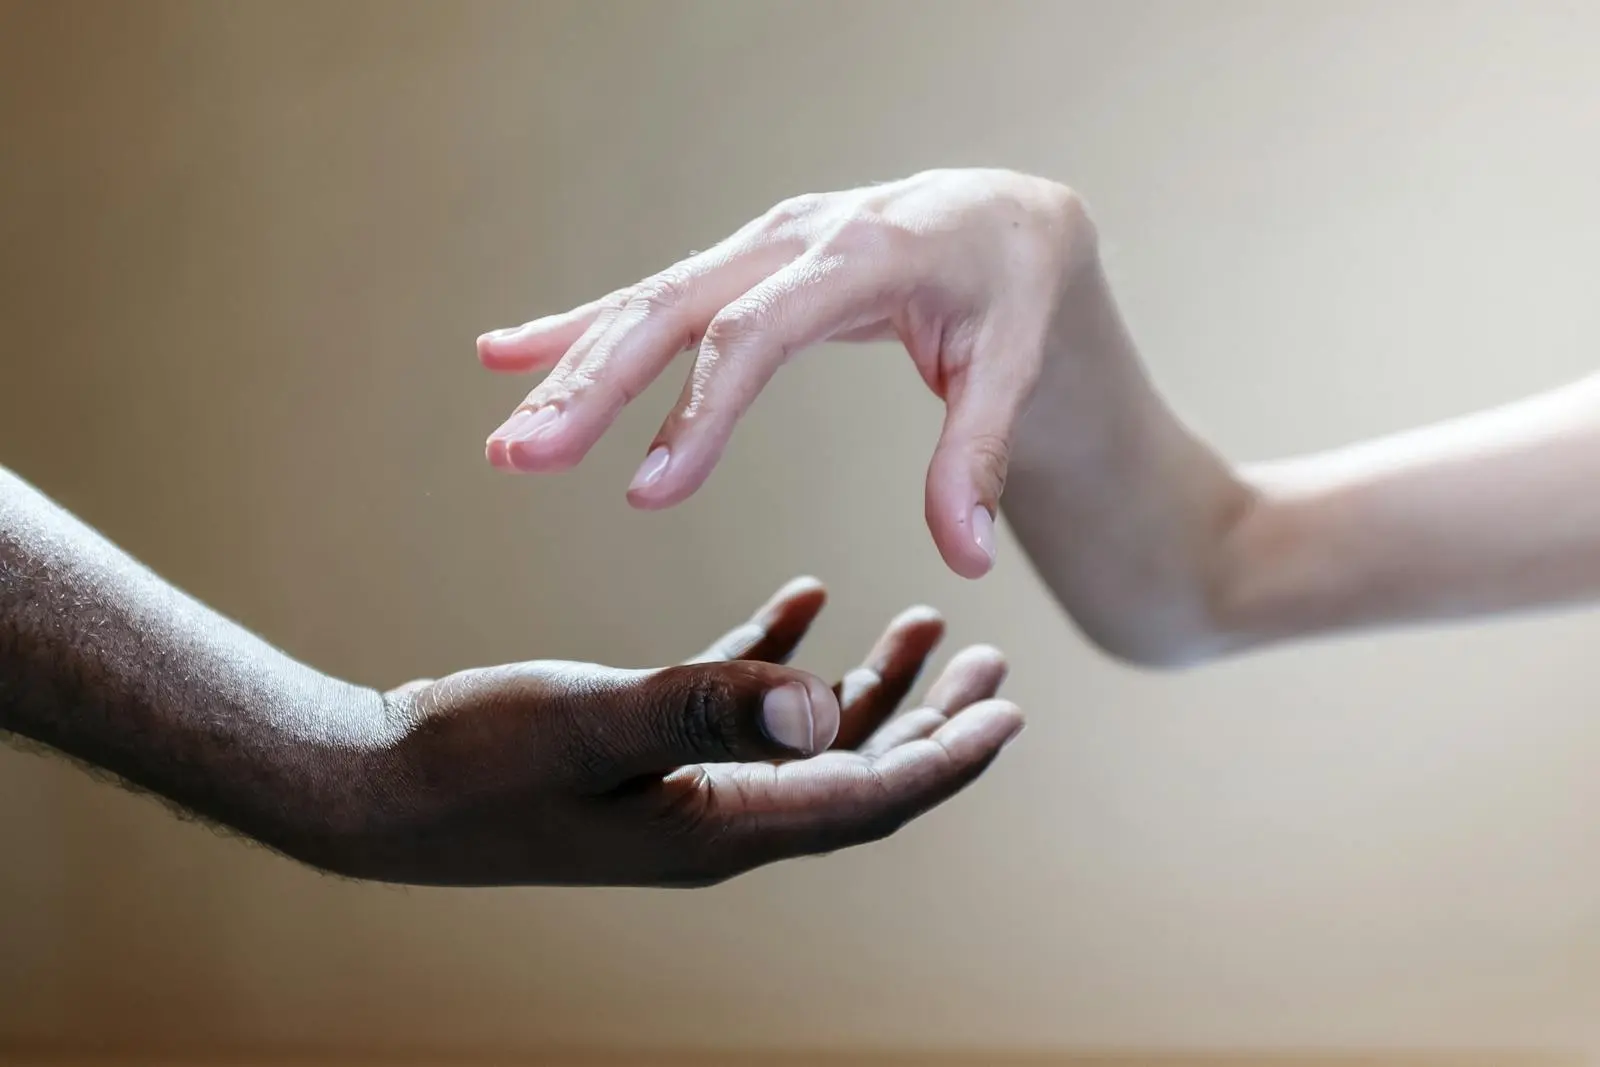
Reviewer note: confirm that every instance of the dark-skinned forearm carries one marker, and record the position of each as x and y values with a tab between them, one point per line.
102	660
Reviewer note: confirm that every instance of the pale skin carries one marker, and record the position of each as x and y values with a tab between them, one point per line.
1164	553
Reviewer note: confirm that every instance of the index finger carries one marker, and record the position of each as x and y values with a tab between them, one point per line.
815	296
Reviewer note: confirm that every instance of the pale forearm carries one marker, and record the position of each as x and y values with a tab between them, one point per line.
1490	513
105	662
1164	554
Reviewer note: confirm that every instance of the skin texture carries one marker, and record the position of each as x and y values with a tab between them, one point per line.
1164	553
537	773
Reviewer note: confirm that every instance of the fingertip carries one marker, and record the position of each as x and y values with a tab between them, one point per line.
641	501
961	512
489	356
547	455
535	345
680	461
490	342
1009	721
788	613
982	656
964	534
662	482
972	547
496	349
966	561
856	684
550	438
531	441
982	730
804	581
1007	711
973	675
522	441
500	364
804	587
1016	732
918	616
907	642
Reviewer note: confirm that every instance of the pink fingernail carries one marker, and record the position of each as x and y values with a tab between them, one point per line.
786	716
983	530
650	471
504	334
525	424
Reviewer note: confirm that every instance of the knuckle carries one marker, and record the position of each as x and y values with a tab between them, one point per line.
991	449
852	234
992	455
703	726
660	293
686	807
866	234
796	212
739	322
616	300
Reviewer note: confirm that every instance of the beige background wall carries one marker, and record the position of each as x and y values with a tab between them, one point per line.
244	249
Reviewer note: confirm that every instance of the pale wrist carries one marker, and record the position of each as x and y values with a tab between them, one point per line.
1276	580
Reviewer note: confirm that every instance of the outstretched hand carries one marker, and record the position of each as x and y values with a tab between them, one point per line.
578	774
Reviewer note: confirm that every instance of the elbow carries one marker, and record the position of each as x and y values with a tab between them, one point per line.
1180	626
1175	658
1169	659
1165	647
1217	609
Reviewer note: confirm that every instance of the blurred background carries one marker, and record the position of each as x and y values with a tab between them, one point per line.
245	248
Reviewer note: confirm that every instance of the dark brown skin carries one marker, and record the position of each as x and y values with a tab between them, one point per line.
538	773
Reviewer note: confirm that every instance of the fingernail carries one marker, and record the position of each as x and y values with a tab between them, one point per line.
786	716
525	424
651	469
505	333
983	530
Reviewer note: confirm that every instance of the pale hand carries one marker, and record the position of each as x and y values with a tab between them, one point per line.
967	268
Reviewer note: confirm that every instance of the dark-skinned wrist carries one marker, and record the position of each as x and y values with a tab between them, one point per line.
331	782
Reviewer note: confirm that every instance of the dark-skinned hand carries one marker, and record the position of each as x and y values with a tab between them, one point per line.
556	773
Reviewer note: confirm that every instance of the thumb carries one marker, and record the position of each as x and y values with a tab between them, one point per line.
653	722
968	471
